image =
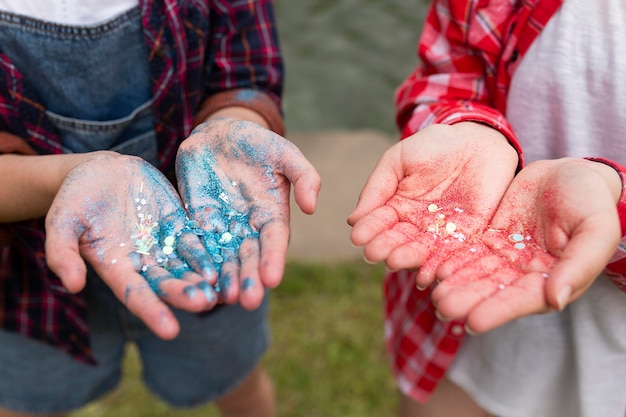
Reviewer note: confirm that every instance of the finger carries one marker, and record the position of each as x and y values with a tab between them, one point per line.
379	220
458	294
62	252
251	287
139	297
523	297
194	253
379	187
227	286
411	255
379	248
274	241
445	258
305	179
180	293
582	260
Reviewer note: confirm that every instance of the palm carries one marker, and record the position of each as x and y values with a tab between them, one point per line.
540	237
443	192
235	180
131	228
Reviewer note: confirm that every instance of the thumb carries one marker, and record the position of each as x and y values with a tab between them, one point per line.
63	256
583	259
305	179
379	187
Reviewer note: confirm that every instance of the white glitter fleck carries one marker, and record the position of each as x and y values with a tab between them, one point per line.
226	238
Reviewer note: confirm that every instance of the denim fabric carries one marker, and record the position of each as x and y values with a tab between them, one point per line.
212	354
93	80
95	98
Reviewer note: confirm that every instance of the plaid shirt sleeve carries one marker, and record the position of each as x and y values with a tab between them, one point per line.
459	49
246	62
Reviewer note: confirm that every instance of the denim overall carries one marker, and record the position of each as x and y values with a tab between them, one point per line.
93	80
95	84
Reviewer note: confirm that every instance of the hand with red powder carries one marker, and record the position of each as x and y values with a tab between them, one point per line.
553	234
431	195
234	177
123	217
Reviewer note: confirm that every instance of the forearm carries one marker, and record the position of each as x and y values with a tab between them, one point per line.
29	183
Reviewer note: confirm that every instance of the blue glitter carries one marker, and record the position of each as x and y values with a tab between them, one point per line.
247	284
246	95
190	291
207	290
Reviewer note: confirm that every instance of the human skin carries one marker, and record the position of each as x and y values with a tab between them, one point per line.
236	176
469	178
91	215
566	209
466	166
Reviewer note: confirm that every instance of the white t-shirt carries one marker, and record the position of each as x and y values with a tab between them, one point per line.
69	12
574	72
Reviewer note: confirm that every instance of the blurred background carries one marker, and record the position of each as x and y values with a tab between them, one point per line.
344	59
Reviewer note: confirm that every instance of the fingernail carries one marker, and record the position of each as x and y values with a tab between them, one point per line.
563	297
368	261
469	330
441	316
419	287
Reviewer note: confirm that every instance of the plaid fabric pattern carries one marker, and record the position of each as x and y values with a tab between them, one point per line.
469	50
197	49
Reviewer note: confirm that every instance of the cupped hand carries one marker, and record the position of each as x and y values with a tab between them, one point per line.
552	235
431	195
123	217
234	177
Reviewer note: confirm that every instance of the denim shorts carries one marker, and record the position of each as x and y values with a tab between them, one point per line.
212	354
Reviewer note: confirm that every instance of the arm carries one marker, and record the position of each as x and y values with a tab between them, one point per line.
244	66
29	184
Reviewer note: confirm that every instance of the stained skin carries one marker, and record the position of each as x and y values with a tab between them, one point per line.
235	177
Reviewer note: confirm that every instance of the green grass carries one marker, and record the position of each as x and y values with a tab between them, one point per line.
327	357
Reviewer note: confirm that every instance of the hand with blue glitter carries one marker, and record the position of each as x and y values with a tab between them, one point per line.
234	177
431	195
552	235
123	217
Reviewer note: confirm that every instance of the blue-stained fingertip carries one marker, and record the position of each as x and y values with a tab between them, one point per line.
190	291
247	284
207	290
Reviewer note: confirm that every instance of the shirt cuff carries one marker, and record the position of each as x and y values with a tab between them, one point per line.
254	100
479	114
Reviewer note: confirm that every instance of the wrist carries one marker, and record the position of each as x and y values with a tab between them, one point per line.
612	175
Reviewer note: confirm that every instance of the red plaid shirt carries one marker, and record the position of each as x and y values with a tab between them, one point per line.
469	50
202	55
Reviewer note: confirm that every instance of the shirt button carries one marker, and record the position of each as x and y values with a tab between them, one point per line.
457	330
